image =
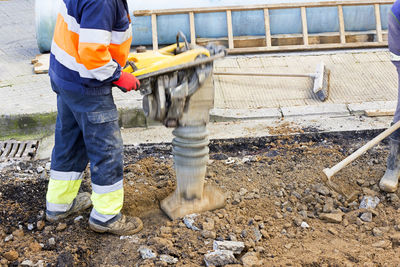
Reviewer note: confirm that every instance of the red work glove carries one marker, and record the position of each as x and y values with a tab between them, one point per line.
127	82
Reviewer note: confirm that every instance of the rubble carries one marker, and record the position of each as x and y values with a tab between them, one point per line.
219	258
234	246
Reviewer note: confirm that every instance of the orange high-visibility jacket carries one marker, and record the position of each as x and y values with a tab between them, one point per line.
91	43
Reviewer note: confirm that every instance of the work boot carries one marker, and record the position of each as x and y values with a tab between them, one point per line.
120	225
390	180
81	203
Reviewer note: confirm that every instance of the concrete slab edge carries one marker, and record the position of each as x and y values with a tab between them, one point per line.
42	124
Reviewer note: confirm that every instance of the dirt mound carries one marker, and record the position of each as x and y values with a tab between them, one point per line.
278	206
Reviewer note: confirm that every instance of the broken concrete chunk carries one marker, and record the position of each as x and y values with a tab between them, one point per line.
146	253
331	217
235	246
188	220
369	202
168	259
366	217
219	258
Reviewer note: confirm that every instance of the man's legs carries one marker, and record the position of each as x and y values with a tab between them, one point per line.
97	118
68	162
389	182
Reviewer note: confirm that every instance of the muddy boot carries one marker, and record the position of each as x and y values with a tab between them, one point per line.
120	225
190	149
390	180
81	203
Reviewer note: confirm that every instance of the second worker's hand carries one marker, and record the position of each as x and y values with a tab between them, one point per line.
127	82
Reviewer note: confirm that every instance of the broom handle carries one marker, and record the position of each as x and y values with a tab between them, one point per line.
332	171
312	75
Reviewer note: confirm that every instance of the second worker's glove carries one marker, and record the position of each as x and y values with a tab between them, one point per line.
127	82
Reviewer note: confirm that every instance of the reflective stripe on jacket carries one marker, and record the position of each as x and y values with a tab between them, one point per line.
91	42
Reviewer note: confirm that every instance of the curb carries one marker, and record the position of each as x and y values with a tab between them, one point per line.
43	124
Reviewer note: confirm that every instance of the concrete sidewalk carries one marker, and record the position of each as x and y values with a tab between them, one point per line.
362	81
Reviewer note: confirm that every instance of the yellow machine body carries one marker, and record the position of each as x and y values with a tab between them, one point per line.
152	61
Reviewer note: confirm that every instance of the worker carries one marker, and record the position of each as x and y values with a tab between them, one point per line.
91	43
389	182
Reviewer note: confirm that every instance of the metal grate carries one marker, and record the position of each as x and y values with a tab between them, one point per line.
22	150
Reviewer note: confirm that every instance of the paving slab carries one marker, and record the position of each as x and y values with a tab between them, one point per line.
316	110
244	114
362	108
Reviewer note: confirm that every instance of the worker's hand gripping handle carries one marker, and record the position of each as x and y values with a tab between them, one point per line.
127	82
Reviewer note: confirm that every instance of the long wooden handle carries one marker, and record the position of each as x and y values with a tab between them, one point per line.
329	172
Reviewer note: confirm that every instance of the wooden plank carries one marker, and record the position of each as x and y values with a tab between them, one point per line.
304	24
230	30
341	25
378	23
192	28
305	47
139	13
41	63
154	31
268	41
379	112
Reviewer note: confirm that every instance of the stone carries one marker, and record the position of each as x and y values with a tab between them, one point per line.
377	232
265	234
304	225
331	217
369	202
395	238
168	259
257	234
9	238
235	246
28	263
297	221
251	259
332	231
77	219
208	225
321	189
328	207
208	234
18	233
147	253
165	230
243	191
39	169
30	227
61	227
11	255
48	166
52	241
189	221
40	225
48	229
35	247
366	217
382	244
278	215
160	243
257	218
219	258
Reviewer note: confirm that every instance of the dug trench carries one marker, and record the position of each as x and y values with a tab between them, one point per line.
278	206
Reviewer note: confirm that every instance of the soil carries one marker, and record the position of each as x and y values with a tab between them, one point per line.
277	200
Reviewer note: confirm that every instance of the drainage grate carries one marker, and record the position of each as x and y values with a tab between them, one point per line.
21	150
